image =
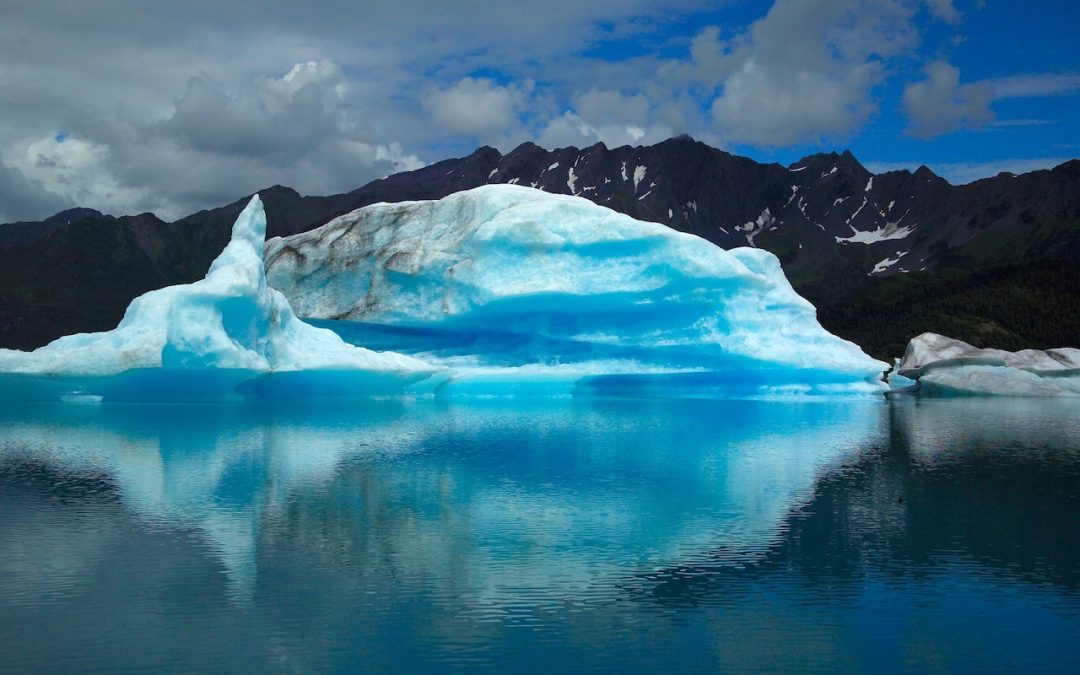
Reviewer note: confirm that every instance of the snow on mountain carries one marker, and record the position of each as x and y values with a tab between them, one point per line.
756	226
552	287
888	232
886	263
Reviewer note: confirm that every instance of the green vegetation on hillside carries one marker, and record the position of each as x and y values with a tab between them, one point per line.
1032	306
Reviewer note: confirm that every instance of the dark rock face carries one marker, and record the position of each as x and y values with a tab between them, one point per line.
871	251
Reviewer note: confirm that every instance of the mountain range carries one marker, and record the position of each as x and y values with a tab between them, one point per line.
884	257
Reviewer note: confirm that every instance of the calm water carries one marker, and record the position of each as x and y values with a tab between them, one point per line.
574	536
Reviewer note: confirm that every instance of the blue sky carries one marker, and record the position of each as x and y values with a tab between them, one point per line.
173	107
1033	47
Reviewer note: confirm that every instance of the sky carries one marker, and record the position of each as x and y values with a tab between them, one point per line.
173	107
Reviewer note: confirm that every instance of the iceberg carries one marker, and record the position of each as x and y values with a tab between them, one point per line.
226	335
943	366
497	291
515	290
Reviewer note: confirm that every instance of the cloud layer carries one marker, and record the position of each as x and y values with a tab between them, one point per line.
173	107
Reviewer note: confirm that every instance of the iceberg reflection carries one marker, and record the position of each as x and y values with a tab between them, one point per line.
493	504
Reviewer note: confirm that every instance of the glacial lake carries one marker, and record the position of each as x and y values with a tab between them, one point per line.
582	535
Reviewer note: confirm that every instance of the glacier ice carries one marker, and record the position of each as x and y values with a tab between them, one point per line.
897	381
228	333
943	366
514	289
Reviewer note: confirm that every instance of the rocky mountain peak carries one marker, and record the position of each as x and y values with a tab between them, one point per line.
74	215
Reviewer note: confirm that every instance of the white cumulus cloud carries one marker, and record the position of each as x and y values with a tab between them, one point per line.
607	116
478	106
941	103
944	10
805	71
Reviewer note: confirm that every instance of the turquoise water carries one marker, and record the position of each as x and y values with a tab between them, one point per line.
567	536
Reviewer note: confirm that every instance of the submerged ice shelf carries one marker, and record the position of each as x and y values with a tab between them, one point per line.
501	290
225	335
515	289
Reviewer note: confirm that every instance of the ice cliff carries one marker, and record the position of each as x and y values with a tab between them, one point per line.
512	286
230	324
942	366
